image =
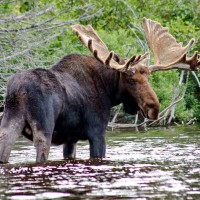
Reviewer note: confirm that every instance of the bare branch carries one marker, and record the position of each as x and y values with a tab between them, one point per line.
26	16
116	114
24	37
33	25
28	49
173	103
196	78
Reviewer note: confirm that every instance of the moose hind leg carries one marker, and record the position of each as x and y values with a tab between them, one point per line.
9	132
42	143
69	150
42	135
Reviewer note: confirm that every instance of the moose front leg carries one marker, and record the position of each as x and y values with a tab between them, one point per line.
97	145
69	150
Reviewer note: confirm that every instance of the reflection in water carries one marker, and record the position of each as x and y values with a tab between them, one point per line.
158	164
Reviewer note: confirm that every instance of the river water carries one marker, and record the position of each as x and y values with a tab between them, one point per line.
161	163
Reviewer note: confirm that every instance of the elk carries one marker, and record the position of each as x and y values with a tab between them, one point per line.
72	100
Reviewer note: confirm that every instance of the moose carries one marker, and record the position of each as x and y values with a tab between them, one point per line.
72	100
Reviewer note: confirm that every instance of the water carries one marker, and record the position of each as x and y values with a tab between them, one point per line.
161	163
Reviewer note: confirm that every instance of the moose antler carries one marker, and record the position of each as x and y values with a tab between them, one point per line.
92	41
168	54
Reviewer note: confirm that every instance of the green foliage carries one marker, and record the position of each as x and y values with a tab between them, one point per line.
192	99
163	84
117	22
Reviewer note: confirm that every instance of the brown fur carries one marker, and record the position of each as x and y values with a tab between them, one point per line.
71	102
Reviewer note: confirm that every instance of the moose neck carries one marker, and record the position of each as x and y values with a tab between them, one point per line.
110	79
117	92
113	82
92	75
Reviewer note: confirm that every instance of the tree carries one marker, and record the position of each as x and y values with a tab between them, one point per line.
32	33
38	33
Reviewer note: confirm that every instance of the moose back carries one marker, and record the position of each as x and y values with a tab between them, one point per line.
70	102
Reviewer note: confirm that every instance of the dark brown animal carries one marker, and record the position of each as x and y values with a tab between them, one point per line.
72	101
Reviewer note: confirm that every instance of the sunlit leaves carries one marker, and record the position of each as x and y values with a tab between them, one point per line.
117	22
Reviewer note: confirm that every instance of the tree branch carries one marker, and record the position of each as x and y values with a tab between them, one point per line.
29	48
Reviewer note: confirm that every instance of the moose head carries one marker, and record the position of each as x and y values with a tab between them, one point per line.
133	82
168	54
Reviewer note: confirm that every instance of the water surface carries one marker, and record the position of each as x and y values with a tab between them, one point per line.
161	163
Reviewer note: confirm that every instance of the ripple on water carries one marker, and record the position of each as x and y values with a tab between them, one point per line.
146	165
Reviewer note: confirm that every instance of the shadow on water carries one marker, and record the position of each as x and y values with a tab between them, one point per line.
161	163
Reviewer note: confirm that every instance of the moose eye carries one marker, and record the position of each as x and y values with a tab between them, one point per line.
131	81
142	71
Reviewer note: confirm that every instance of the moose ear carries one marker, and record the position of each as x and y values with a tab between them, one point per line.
132	70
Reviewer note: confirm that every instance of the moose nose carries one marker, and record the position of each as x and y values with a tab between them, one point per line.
152	110
153	113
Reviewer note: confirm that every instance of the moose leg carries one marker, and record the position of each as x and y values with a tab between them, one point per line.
42	144
69	150
97	143
9	132
42	141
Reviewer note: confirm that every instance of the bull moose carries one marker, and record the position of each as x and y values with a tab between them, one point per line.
72	100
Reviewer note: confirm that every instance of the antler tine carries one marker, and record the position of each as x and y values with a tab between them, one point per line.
95	53
193	61
90	45
190	44
92	41
109	58
134	60
128	63
168	54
